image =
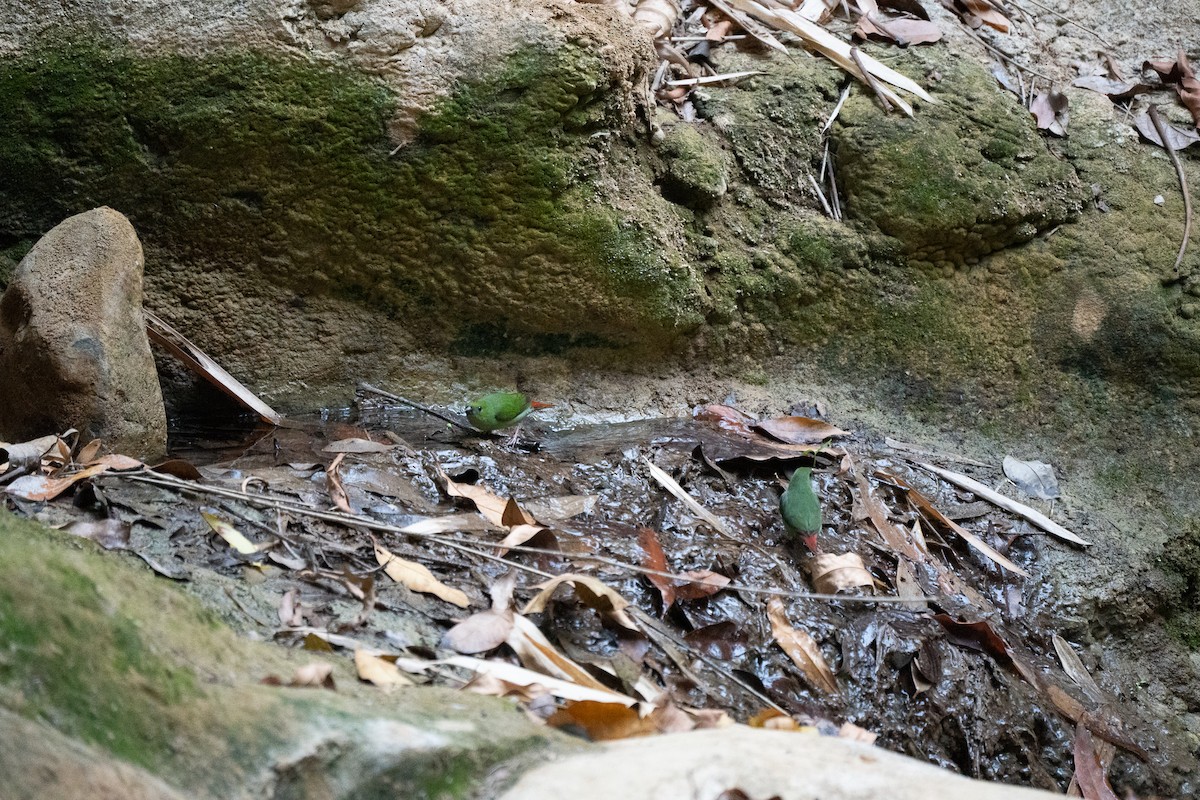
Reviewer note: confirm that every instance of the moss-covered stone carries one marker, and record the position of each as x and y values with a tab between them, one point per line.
962	178
696	171
284	167
106	653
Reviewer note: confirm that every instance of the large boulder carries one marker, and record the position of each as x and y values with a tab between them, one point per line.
73	347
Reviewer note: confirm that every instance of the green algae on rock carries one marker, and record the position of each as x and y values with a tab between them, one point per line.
266	164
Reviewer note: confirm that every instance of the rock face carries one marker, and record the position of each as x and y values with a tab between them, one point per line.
73	347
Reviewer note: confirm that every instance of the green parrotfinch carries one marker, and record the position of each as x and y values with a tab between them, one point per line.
800	508
501	410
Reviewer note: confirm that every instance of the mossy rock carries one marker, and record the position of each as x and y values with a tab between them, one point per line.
98	648
281	170
962	178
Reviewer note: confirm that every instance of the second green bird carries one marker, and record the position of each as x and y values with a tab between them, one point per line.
801	509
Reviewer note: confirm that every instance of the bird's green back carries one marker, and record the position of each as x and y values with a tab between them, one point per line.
799	506
498	410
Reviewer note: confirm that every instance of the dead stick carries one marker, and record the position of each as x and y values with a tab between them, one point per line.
366	387
870	79
1161	129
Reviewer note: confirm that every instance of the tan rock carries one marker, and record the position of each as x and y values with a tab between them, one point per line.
73	347
702	765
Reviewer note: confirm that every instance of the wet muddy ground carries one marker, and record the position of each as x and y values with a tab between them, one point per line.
968	678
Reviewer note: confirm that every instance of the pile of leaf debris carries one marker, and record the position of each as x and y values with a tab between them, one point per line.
632	579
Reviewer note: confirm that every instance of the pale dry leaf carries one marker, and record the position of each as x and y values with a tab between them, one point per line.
908	587
116	462
480	632
831	572
373	669
801	648
799	430
489	504
357	445
111	534
657	17
1034	478
856	734
591	591
521	676
700	583
1076	670
315	674
451	523
337	492
89	451
672	486
232	536
417	578
555	509
519	535
27	455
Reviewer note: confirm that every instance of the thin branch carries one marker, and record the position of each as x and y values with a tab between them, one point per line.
1064	18
1003	56
366	387
870	79
1161	129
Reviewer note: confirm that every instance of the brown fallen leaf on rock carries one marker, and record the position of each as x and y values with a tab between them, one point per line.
417	578
832	573
801	648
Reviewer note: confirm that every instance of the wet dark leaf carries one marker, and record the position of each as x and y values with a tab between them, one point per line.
1118	90
723	640
979	636
726	417
179	468
654	558
702	583
1093	783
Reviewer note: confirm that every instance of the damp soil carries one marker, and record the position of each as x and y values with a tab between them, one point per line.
936	690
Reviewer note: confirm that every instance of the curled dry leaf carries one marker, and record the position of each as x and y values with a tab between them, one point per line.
376	670
27	455
1179	138
831	573
337	492
700	583
975	12
489	504
117	462
656	16
593	592
417	578
801	648
1050	109
40	488
799	430
179	469
89	451
1034	478
726	417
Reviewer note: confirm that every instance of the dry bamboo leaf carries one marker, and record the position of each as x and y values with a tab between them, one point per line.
1089	772
536	652
451	523
819	11
198	361
892	536
799	430
1076	670
602	722
971	485
594	594
520	534
40	488
672	486
750	25
719	78
831	573
232	536
337	492
801	648
116	462
417	578
657	17
521	676
373	669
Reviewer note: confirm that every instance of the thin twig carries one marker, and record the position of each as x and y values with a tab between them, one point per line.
1005	57
837	108
870	79
1064	18
352	520
366	387
1161	129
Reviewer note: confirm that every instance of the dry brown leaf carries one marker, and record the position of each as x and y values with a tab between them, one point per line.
490	505
337	492
700	583
417	578
373	669
27	455
513	514
654	558
480	632
591	591
901	30
801	648
907	585
727	417
985	12
1089	772
178	468
232	536
672	486
1076	670
116	462
554	509
40	488
774	720
799	430
602	722
89	451
831	573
